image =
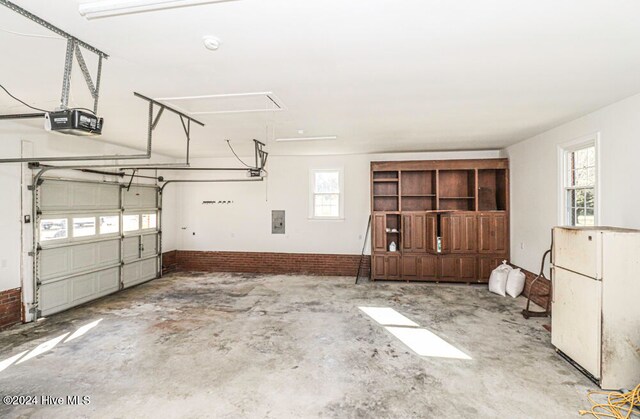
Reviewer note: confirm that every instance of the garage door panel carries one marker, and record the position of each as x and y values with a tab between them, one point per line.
108	281
55	195
61	295
131	274
148	268
109	252
137	272
54	297
140	197
83	287
69	260
150	245
131	248
54	263
77	196
83	257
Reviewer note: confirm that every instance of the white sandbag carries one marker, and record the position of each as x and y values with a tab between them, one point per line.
515	282
498	279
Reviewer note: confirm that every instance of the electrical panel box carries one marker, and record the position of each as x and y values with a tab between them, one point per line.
277	222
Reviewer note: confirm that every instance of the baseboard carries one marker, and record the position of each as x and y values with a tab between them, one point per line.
267	263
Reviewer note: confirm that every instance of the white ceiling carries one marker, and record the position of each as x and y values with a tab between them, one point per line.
413	75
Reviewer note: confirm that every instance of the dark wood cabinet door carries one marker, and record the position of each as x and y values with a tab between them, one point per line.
428	268
459	233
485	266
499	232
379	267
467	268
470	233
379	234
492	232
484	233
448	268
392	266
409	266
414	229
431	239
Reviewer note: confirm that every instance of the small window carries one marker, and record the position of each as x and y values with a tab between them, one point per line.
580	185
53	229
131	222
148	221
84	226
326	194
109	224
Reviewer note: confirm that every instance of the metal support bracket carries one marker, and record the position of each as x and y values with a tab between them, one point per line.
73	48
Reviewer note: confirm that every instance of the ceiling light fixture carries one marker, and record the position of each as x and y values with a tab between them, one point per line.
328	137
94	9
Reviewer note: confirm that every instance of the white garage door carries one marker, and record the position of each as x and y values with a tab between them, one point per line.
93	239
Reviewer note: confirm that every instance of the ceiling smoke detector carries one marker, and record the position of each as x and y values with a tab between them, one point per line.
211	43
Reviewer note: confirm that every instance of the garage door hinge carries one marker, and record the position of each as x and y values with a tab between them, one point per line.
31	254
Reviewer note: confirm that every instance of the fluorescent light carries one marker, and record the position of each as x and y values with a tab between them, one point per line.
329	137
105	8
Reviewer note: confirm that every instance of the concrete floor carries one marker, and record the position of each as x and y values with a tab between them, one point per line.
235	346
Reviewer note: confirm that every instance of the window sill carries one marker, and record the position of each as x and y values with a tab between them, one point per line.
325	218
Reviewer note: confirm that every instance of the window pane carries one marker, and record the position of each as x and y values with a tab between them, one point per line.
326	205
591	156
85	226
148	221
582	158
582	177
327	182
588	198
580	217
109	224
53	229
131	222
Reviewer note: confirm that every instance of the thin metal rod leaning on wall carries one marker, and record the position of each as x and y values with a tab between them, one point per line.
167	182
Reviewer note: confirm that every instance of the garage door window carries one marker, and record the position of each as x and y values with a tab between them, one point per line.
84	226
53	229
131	222
149	221
109	224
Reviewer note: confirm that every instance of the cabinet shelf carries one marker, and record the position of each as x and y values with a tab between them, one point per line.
457	197
384	180
385	196
429	195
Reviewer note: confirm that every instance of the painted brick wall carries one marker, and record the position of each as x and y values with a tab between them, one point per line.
170	261
541	287
272	263
10	307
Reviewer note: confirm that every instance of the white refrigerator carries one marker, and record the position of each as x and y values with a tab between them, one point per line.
595	305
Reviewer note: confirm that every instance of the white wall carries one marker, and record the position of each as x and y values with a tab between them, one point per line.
535	179
14	137
245	225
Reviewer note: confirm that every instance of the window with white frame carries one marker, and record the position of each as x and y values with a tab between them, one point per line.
326	194
580	185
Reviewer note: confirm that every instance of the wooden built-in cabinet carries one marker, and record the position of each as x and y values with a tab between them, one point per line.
449	219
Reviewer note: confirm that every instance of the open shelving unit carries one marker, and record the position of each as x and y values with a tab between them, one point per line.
448	218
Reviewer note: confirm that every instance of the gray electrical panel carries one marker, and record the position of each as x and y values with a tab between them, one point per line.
277	222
